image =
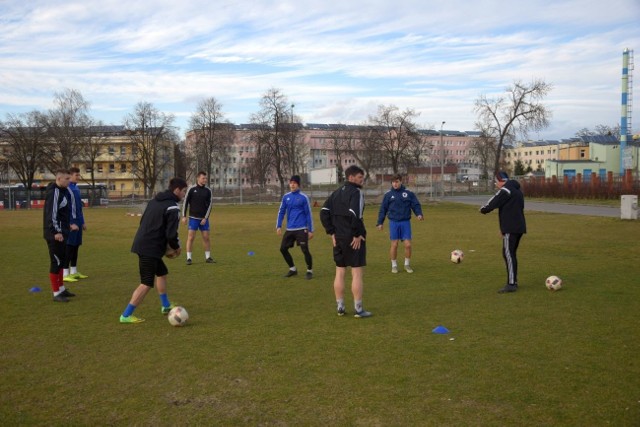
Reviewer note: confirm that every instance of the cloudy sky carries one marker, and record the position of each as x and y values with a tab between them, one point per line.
335	60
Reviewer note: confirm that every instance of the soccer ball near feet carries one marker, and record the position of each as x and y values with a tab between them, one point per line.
553	283
457	256
178	316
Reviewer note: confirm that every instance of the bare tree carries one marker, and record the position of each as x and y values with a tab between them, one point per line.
270	123
152	137
214	136
417	148
26	136
262	163
519	111
483	150
68	124
340	138
365	148
600	130
395	131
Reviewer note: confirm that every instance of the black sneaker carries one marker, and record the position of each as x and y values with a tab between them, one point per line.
309	275
60	298
188	261
291	273
210	261
341	311
67	294
508	288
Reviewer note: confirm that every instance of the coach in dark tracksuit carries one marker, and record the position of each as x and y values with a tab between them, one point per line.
509	201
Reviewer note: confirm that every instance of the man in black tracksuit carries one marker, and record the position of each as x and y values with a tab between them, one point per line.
158	229
58	210
341	217
510	203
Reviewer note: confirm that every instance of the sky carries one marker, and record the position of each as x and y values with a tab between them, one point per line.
336	61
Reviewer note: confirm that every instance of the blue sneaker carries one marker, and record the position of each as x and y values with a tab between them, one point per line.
363	313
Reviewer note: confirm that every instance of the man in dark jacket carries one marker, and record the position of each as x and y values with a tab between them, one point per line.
509	201
198	203
158	230
341	217
56	227
398	203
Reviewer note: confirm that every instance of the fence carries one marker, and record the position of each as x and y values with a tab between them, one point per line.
594	186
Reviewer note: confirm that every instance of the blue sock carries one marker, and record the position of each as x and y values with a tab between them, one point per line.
165	300
129	310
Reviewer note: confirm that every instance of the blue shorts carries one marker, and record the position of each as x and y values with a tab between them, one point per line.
400	230
75	237
194	224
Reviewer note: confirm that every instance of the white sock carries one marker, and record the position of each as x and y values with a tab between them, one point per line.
358	306
73	270
394	263
207	254
189	255
293	268
65	272
406	261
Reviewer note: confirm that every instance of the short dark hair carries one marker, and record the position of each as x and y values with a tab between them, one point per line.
353	170
178	183
74	170
202	173
396	177
62	172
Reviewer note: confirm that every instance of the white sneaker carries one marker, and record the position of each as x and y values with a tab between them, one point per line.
408	269
394	269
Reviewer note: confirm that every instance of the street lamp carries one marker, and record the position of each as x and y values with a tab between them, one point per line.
442	159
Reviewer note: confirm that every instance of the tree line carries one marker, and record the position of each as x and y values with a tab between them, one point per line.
390	139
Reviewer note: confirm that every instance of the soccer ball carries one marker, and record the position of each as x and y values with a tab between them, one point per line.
553	283
457	256
178	316
170	252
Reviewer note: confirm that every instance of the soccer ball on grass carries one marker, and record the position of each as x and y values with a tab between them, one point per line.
553	283
178	316
457	256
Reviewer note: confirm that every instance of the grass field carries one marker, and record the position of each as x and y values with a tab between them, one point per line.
262	350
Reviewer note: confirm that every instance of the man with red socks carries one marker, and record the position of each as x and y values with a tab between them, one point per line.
56	227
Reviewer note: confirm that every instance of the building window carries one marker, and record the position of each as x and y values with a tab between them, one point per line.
123	168
123	150
112	149
112	168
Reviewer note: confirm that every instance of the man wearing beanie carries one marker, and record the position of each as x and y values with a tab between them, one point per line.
296	206
509	201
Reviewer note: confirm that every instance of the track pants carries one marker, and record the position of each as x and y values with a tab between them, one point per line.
510	242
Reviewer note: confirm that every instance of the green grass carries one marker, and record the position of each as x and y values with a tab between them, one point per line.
263	350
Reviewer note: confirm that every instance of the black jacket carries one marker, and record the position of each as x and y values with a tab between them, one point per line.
198	200
57	211
158	226
509	201
341	213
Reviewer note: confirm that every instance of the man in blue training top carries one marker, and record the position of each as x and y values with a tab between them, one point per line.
398	204
70	267
297	208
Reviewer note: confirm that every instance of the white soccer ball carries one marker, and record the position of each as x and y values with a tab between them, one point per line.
457	256
553	283
171	253
178	316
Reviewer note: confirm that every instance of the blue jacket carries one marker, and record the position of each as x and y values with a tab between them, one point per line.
79	216
297	207
398	204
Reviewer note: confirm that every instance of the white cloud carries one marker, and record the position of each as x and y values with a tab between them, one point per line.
337	60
